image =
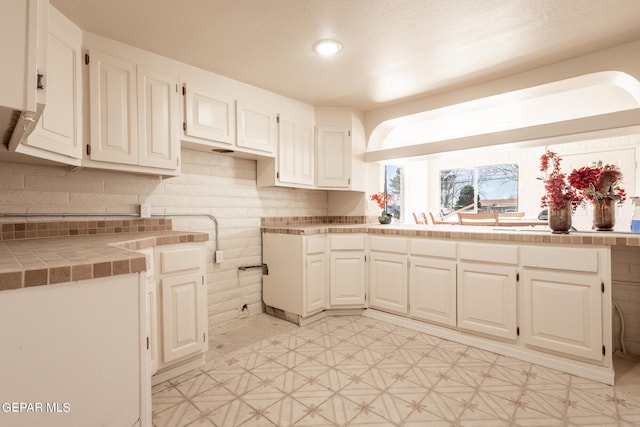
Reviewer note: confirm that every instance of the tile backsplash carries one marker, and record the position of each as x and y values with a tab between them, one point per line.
38	230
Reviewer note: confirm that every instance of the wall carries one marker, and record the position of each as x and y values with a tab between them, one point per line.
210	184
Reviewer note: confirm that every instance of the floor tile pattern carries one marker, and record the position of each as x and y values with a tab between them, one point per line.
357	371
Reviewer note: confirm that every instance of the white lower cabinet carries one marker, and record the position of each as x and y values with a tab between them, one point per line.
388	284
296	282
563	300
347	282
487	299
432	284
315	291
181	303
347	277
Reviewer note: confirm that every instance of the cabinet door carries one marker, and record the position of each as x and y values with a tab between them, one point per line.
562	312
432	290
388	282
334	157
183	320
256	127
152	323
58	130
158	120
487	299
113	109
347	278
296	151
209	115
315	279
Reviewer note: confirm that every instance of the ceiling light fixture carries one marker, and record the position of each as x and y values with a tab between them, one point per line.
327	47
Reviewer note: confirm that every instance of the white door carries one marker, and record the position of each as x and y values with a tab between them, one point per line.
487	299
113	109
58	130
287	151
432	290
306	153
257	127
347	282
183	322
209	115
158	119
152	323
334	157
562	312
315	292
388	282
296	151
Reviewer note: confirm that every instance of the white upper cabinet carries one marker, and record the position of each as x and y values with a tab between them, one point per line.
23	26
58	133
134	112
209	115
23	49
158	119
294	164
334	157
113	109
256	126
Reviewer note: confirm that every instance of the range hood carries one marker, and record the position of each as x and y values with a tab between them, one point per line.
23	48
16	125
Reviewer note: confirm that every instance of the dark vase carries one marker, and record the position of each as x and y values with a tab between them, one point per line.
560	220
604	214
385	218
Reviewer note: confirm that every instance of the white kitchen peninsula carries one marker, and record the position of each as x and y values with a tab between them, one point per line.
524	293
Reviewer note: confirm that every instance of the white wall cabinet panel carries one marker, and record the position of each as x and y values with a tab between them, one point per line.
113	109
158	119
256	127
432	284
209	115
388	285
57	135
334	157
135	115
487	299
562	312
296	151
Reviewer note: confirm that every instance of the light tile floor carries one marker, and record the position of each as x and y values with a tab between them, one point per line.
358	371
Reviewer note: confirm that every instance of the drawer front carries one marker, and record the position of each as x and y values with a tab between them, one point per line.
434	248
316	245
347	243
574	258
179	260
398	245
489	252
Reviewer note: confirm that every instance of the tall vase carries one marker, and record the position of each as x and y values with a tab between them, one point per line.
604	214
560	220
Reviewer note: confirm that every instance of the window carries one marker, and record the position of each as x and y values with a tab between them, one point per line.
482	189
394	176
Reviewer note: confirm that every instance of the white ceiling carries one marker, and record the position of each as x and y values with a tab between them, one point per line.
394	50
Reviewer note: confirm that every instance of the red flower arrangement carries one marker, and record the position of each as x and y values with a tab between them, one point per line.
558	192
381	199
599	182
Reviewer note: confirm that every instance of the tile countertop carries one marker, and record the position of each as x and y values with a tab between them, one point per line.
461	232
42	261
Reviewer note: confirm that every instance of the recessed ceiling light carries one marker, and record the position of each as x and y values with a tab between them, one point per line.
327	47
